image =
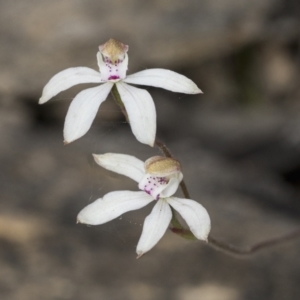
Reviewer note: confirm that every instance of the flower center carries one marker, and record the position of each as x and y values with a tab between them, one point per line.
153	185
112	68
113	60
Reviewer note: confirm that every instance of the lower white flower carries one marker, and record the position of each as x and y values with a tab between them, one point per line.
158	178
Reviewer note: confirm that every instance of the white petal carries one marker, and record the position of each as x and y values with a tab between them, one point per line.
165	79
83	110
194	214
141	112
111	206
155	226
68	78
127	165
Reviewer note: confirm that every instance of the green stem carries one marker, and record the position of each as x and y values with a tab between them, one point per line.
116	95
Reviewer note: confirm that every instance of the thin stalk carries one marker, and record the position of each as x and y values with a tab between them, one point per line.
164	149
212	241
216	243
263	245
117	98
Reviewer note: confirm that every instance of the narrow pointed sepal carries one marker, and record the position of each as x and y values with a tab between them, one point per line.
68	78
83	110
111	206
141	112
123	164
165	79
194	214
155	226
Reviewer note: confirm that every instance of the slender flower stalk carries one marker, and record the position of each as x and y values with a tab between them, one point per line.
216	243
113	63
158	179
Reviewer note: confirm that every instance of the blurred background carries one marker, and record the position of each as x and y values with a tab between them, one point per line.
239	144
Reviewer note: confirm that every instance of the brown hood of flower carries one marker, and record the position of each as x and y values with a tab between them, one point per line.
114	50
162	166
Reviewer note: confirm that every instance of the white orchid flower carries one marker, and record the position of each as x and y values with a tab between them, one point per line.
158	178
113	61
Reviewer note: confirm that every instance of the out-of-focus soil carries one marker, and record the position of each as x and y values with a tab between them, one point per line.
238	144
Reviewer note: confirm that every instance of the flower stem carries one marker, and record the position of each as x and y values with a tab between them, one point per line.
238	252
167	153
216	243
116	95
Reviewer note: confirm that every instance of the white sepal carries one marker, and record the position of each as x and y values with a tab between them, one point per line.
127	165
155	226
141	112
165	79
111	206
83	110
68	78
194	214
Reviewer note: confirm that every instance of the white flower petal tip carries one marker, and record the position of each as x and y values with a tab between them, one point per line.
151	143
79	221
198	91
100	159
139	255
95	156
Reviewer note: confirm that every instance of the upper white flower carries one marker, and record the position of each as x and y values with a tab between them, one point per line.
113	61
158	179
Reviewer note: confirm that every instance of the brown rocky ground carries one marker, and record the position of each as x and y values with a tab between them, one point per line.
238	143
